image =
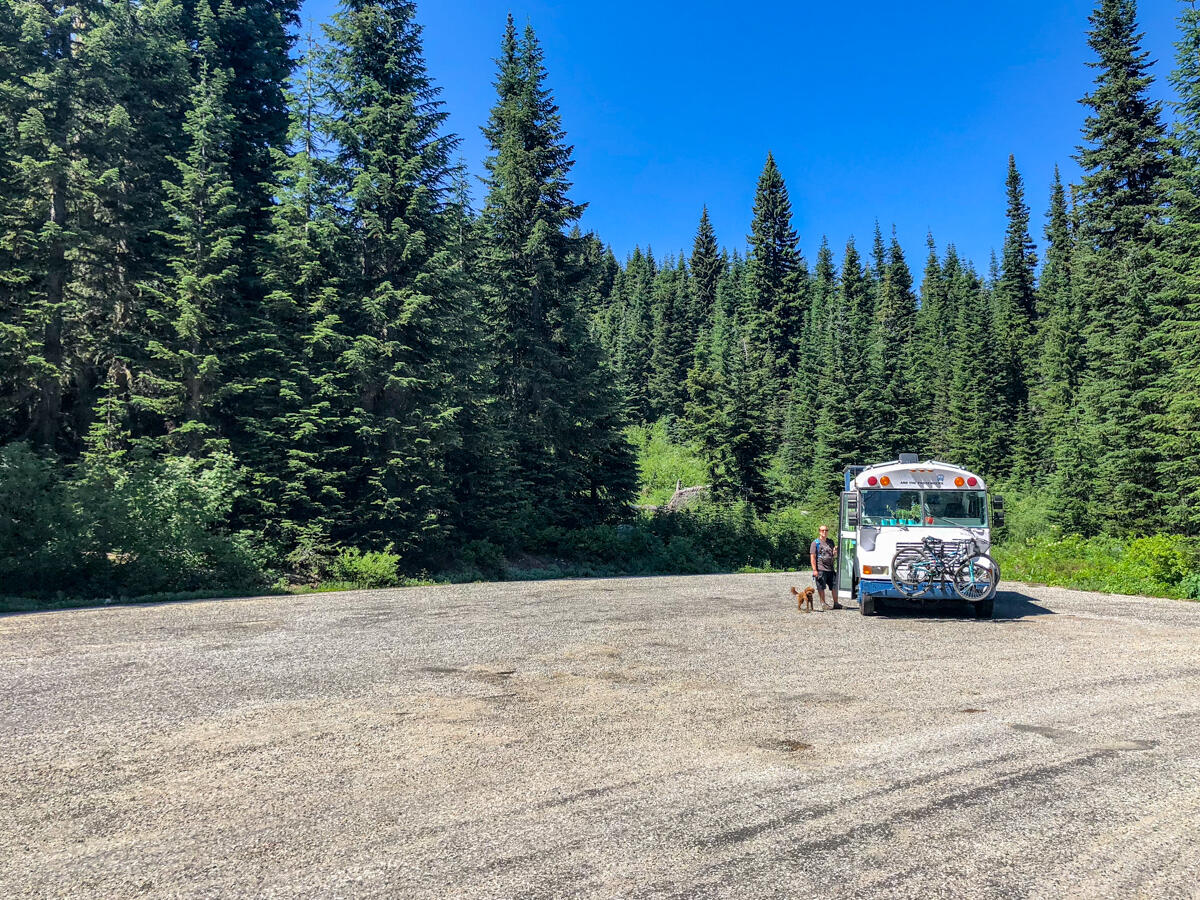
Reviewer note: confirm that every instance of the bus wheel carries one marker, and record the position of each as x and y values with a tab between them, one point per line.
984	608
866	605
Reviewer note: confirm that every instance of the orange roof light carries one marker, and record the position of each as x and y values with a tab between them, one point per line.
959	482
885	481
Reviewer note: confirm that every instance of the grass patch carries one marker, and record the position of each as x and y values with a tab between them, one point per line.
662	463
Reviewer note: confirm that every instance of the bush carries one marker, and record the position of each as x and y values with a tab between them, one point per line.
162	526
373	569
481	561
1189	587
1027	517
34	521
122	530
1159	565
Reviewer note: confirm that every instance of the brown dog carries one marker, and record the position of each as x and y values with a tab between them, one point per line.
804	597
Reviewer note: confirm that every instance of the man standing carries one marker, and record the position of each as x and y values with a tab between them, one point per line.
824	565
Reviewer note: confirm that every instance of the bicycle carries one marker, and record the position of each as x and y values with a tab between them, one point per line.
973	574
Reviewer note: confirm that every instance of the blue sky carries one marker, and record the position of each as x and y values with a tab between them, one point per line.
901	112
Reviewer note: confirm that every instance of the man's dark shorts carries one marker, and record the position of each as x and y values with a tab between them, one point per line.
824	581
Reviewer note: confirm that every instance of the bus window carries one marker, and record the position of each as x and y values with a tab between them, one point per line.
962	508
880	505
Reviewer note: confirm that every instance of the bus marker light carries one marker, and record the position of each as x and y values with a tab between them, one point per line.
958	482
885	481
872	480
972	481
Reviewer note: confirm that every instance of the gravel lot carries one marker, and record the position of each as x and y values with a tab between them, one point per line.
655	737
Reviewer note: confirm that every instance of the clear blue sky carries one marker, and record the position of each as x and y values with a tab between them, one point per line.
896	111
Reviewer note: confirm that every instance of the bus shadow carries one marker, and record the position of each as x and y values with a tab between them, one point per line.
1015	605
1010	605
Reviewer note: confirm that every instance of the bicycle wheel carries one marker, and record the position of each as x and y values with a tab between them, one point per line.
977	578
912	572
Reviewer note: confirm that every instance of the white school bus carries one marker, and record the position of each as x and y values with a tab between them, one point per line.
917	508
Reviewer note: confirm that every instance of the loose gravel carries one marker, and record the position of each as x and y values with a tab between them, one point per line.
650	737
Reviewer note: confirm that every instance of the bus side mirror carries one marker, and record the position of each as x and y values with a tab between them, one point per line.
998	511
852	511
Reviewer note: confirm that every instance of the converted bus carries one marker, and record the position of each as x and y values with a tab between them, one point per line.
890	506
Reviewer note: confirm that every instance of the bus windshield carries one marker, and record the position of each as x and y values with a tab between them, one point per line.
930	508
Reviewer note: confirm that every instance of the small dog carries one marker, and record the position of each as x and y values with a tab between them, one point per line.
804	597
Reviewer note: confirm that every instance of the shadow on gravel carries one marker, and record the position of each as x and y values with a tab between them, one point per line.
1009	605
1015	605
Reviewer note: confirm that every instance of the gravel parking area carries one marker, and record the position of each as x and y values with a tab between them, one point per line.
653	737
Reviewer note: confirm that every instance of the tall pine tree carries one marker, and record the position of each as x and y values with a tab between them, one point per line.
402	293
1120	199
564	416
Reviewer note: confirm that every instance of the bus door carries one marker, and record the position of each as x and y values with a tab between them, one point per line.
847	545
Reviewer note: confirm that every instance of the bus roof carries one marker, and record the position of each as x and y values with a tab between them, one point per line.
931	475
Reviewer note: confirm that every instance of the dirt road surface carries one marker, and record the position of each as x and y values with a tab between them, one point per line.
657	737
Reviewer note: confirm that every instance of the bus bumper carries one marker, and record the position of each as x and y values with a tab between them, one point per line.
883	588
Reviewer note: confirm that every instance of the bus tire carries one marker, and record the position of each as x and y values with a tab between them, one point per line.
984	608
866	605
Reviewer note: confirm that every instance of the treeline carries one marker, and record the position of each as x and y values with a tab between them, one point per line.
246	292
249	314
1080	383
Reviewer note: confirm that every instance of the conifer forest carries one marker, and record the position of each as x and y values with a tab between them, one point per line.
256	323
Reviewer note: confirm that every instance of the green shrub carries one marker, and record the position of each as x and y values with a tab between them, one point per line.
35	523
482	559
682	555
1189	587
372	569
129	530
1162	558
1159	565
1027	517
162	527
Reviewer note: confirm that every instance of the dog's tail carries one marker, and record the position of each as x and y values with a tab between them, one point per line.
795	593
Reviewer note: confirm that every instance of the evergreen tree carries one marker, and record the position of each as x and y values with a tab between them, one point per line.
1015	310
484	501
843	388
932	374
1060	361
252	41
310	425
775	283
402	294
565	417
804	400
706	269
975	438
746	443
194	332
893	358
673	347
1120	199
635	334
1176	341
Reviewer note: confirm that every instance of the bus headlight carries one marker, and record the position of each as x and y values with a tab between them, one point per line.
875	570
